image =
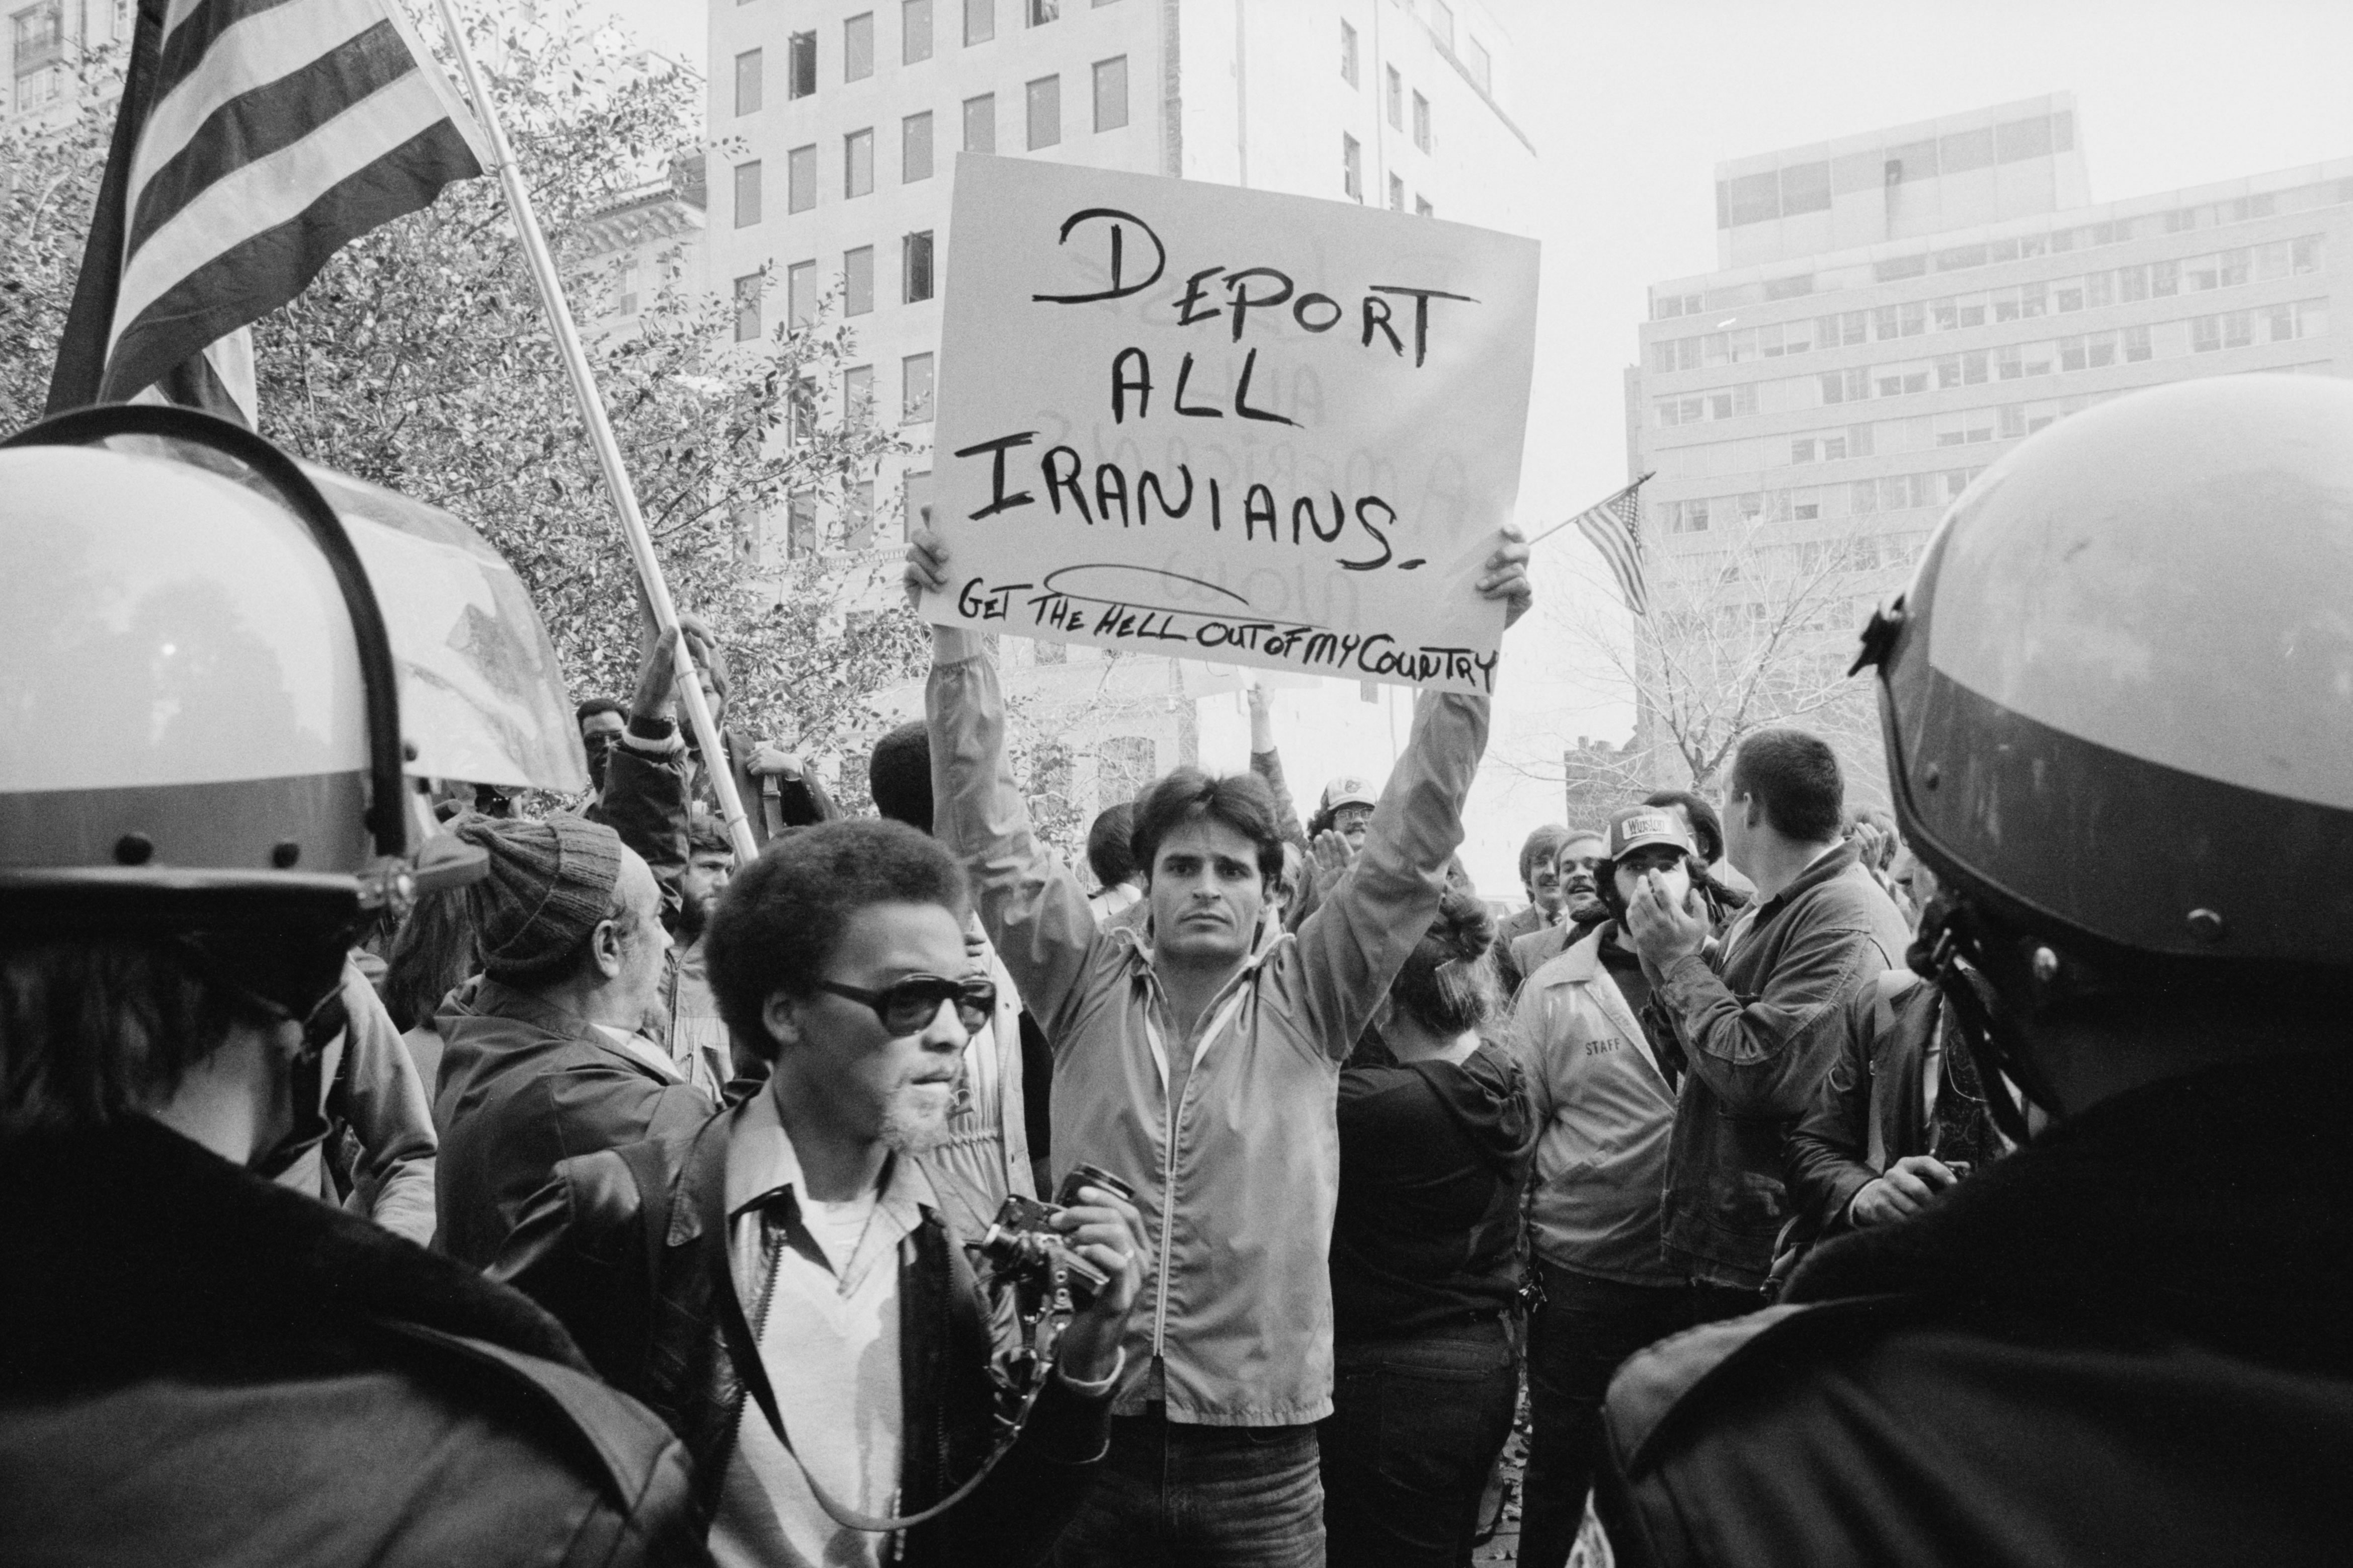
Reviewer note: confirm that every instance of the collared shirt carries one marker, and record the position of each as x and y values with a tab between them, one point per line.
821	1282
643	1049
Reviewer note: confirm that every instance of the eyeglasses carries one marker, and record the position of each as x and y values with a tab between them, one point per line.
908	1006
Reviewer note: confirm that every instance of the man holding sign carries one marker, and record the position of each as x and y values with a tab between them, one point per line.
1196	1055
1180	418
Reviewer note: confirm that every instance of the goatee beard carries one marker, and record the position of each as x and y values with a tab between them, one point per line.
912	1127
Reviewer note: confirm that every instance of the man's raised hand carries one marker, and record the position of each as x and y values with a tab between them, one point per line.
1506	576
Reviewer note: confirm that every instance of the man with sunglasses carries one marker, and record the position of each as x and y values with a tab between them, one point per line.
198	1366
788	1284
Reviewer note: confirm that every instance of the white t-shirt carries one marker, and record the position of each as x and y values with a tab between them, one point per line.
829	1339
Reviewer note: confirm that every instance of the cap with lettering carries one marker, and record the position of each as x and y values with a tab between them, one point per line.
1638	827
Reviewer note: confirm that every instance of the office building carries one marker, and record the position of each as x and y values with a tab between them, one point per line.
1893	310
838	123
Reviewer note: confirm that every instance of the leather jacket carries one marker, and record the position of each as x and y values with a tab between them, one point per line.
629	1248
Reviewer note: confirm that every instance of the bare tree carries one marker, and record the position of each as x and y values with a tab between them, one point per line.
1748	630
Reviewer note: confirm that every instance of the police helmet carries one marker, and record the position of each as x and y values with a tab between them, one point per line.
2117	696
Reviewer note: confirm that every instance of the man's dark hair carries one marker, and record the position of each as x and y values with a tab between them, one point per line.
1240	801
1796	777
432	955
780	922
706	834
899	776
92	1033
595	705
1707	828
1108	855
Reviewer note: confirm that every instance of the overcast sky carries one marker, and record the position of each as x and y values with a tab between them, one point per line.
1631	104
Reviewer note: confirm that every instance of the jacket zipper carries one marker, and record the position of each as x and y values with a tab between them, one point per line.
1167	1216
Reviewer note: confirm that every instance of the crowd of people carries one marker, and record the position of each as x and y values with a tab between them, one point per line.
1832	1184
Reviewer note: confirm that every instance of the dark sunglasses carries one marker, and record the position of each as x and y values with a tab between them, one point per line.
908	1006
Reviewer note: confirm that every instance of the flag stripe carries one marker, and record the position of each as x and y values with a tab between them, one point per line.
263	271
251	55
265	122
273	191
1610	529
188	35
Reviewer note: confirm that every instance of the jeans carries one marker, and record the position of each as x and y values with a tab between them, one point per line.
1585	1329
1174	1494
1415	1426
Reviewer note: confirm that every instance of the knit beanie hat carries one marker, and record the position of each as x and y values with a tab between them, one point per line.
550	882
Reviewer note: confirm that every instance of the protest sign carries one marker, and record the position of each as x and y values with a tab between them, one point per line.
1227	425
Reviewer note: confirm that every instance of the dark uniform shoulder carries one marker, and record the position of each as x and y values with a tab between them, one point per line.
634	1460
1670	1383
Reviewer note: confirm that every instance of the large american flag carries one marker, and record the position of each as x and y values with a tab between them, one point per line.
255	139
1614	528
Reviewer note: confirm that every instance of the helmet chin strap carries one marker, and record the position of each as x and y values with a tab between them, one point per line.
1993	1040
308	1088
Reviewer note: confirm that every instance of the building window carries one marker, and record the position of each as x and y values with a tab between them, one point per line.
800	179
1043	11
624	296
747	194
1441	21
914	31
800	294
747	308
915	379
915	148
1347	54
1352	167
918	495
979	21
1396	98
748	83
858	514
1421	122
915	266
858	48
801	525
980	123
858	282
857	394
802	76
1483	68
1397	193
1421	208
1111	94
858	163
1045	113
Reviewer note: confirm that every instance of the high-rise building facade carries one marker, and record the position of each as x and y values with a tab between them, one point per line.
1892	311
42	49
838	124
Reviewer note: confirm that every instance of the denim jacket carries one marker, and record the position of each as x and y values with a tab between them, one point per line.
1237	1182
1759	1021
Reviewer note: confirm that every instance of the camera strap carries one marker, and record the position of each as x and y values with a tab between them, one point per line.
743	1349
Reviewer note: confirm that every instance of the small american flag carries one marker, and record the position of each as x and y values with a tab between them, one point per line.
255	139
1614	528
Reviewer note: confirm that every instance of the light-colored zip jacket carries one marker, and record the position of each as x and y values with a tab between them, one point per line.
1237	1184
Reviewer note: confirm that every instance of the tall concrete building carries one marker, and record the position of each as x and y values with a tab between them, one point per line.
1889	313
837	123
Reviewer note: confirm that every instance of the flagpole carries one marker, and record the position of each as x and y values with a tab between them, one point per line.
601	435
1605	500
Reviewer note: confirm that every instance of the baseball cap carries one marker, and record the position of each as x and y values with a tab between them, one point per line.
1639	827
1345	791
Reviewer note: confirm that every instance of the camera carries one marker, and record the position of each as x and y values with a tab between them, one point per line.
1023	1248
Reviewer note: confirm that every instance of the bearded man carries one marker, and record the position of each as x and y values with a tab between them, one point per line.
797	1247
